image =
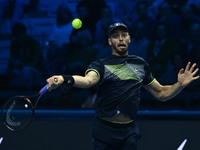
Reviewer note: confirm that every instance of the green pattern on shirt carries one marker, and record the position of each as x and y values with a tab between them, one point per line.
123	71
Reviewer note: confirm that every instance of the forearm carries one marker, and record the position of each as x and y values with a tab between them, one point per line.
164	92
169	91
81	82
76	81
87	81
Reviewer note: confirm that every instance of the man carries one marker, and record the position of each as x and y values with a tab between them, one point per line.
120	78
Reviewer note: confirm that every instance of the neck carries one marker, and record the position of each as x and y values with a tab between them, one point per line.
121	54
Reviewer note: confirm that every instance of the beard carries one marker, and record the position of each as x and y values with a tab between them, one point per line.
119	51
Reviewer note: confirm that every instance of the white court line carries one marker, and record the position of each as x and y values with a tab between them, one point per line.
1	139
182	145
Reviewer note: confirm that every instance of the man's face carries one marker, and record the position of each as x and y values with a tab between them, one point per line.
119	40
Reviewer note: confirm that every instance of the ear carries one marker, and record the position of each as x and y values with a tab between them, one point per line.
109	41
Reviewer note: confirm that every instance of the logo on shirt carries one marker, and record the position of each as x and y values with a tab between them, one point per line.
135	69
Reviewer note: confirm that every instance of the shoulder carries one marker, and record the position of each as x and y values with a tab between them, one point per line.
134	57
137	59
105	60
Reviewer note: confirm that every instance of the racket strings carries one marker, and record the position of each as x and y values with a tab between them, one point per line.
11	122
11	119
17	113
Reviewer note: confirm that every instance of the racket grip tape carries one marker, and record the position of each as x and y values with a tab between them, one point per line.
43	90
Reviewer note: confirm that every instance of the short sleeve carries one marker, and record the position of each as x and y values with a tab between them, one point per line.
148	75
98	67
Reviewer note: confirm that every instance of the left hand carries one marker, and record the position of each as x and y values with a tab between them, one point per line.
186	76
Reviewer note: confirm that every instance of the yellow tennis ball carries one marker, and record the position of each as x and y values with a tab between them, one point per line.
76	23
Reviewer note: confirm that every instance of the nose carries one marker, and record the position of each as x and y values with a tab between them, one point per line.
120	37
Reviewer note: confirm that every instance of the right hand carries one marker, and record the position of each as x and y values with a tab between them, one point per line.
54	82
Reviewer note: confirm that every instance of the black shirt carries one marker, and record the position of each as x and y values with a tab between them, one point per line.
121	78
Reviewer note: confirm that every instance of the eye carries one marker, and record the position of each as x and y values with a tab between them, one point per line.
124	35
115	36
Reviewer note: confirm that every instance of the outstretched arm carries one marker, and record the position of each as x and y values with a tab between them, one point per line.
86	81
164	93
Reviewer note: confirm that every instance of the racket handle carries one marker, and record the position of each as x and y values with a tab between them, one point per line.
43	90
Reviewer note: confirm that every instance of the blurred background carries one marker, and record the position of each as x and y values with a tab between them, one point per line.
37	41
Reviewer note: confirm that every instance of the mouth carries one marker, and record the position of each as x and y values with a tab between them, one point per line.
121	46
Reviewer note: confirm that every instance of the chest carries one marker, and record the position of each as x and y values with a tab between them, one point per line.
124	71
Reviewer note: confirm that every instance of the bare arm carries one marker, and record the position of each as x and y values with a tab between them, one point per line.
79	81
164	93
86	82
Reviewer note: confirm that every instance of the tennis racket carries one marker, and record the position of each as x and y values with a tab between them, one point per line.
18	112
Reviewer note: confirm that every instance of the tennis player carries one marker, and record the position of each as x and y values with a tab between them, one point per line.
120	78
